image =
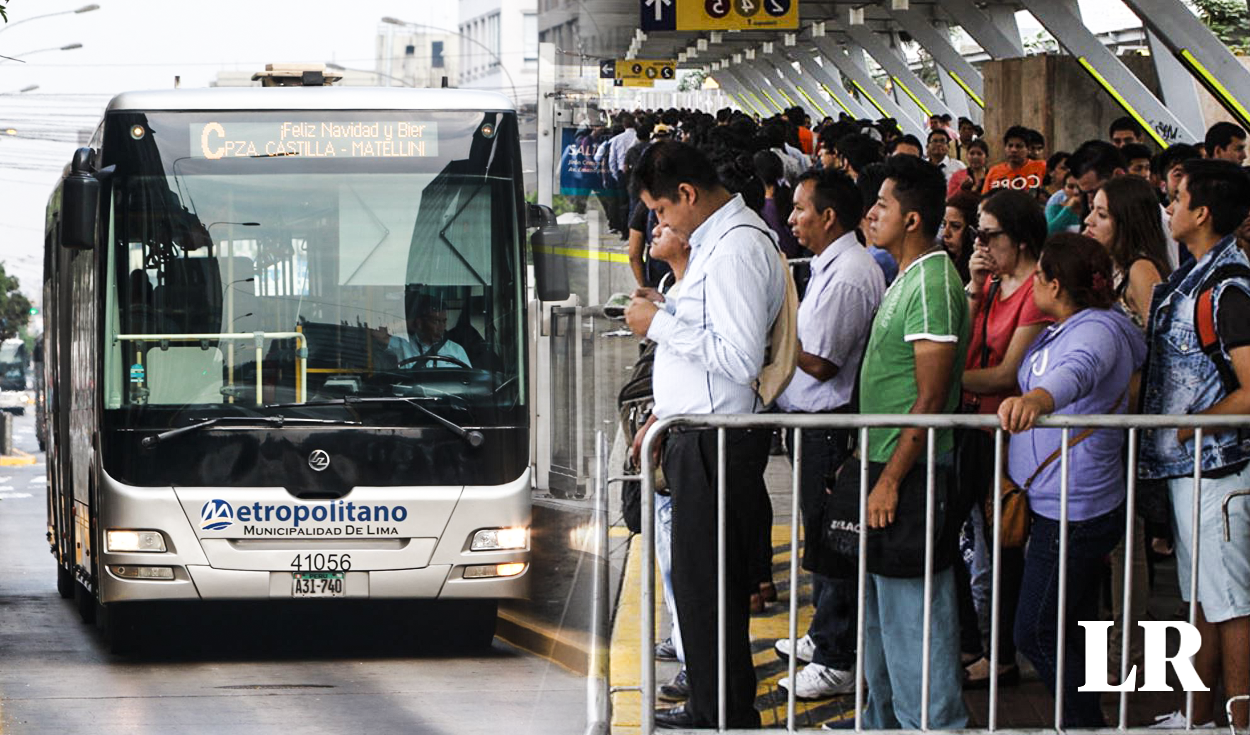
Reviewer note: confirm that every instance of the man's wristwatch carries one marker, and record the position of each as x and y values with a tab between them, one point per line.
971	292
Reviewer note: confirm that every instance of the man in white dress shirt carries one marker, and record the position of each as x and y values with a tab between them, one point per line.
834	318
711	342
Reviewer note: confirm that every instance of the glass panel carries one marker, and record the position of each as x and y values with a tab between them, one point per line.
259	261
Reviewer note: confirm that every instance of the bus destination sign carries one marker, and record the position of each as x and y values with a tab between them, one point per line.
391	139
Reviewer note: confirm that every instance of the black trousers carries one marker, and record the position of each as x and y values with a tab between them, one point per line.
690	467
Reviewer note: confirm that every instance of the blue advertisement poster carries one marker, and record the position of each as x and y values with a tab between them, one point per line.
579	174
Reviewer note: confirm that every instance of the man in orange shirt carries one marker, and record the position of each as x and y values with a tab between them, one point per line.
798	118
1018	171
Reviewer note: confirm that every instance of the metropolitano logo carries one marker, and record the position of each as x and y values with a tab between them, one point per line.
1156	659
216	515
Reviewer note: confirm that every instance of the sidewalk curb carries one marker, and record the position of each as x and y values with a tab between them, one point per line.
554	645
17	459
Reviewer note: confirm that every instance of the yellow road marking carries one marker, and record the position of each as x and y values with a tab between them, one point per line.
17	459
626	652
586	253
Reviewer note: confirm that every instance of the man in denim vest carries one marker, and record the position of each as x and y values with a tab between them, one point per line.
1180	378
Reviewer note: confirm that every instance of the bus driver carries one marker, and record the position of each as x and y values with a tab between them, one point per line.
427	328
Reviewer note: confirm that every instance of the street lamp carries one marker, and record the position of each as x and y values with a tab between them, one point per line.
18	57
397	22
83	9
337	67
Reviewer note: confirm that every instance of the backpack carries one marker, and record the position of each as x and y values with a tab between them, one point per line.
1204	321
782	356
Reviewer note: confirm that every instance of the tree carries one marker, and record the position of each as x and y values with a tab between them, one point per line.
14	306
691	81
4	13
1228	20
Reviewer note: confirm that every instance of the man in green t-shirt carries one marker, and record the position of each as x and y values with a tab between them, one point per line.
912	364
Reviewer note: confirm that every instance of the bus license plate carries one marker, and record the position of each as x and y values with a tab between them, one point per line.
318	584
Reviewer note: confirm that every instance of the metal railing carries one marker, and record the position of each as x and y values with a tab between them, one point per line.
931	423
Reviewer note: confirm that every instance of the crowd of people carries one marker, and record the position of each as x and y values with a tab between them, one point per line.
1105	280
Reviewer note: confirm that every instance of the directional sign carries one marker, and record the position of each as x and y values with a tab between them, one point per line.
607	69
719	15
642	69
659	15
633	83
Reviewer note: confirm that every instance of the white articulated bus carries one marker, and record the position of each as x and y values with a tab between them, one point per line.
286	352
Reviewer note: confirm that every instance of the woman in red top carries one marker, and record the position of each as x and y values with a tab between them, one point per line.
1011	229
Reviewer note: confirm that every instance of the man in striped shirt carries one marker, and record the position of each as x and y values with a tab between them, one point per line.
711	342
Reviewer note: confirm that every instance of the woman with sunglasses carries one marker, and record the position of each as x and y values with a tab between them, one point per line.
1011	229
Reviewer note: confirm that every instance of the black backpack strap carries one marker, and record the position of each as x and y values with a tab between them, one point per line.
1204	321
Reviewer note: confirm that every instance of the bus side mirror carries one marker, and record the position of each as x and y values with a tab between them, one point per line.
80	198
551	268
539	215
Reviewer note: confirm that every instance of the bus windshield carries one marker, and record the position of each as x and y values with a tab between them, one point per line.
263	259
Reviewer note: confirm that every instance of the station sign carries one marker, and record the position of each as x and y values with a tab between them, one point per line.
719	15
637	69
633	83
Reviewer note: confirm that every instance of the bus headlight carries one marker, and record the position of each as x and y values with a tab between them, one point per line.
511	569
135	541
496	539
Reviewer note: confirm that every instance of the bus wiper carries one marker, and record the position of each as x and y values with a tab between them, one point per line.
151	441
473	437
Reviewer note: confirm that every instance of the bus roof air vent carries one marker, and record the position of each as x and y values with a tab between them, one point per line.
296	75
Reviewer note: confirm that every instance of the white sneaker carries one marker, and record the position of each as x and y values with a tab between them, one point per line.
1176	721
820	682
806	649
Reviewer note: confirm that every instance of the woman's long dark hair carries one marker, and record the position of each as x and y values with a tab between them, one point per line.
1134	207
1083	268
770	172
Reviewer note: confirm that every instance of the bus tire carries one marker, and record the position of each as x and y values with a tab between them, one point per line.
64	581
119	626
84	600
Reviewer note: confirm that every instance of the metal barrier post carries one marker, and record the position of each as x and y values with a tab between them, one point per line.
862	575
996	576
1196	521
797	447
647	597
720	579
1061	637
1130	513
926	636
598	701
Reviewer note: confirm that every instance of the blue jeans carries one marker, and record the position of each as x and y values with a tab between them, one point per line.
893	644
664	559
1037	635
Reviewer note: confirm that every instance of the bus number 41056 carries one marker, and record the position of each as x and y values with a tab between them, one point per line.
322	562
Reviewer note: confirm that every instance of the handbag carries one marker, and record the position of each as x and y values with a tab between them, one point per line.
896	550
1014	526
